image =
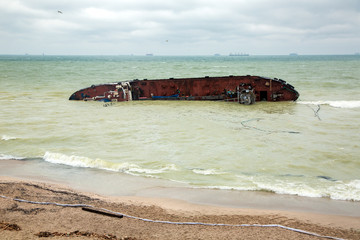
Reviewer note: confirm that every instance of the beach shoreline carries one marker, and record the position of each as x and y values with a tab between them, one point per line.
53	219
115	184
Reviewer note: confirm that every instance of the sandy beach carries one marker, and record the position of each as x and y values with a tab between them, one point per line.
28	220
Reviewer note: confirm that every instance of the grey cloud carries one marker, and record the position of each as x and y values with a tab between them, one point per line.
139	24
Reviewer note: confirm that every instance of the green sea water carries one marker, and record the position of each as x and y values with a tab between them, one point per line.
308	148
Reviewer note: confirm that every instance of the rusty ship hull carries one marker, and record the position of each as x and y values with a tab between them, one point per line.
243	89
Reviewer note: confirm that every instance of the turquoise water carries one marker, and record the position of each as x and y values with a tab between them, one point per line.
306	148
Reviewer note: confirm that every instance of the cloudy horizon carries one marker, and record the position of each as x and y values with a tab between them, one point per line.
168	27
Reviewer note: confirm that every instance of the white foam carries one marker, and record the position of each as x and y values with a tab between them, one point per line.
306	187
291	189
151	171
337	190
75	161
7	138
206	171
79	161
9	157
346	190
336	104
355	184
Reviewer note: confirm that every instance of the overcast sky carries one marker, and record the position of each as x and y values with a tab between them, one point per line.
179	27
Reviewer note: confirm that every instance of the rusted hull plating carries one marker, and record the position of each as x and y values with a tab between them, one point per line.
242	89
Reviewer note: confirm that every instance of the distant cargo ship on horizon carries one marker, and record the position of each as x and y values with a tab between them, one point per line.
239	55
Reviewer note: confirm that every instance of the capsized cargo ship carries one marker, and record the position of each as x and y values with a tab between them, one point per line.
242	89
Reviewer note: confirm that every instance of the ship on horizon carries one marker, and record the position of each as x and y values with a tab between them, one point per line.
239	55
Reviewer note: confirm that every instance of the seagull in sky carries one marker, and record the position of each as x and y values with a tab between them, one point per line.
60	12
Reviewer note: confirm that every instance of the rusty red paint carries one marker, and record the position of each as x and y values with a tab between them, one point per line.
206	88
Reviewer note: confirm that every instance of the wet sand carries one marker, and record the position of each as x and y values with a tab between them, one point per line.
24	220
117	184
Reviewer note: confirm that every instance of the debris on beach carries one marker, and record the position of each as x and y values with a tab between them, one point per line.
78	233
9	226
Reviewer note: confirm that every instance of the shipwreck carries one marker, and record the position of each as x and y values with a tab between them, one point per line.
242	89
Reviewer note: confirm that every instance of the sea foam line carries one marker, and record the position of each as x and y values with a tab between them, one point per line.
336	104
317	188
10	157
7	138
339	190
207	171
85	162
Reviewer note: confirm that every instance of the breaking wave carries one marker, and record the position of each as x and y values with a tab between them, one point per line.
85	162
336	104
299	185
7	138
337	190
10	157
206	171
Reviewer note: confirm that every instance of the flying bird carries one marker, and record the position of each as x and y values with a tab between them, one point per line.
60	12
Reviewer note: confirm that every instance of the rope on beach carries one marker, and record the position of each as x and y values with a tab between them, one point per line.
244	123
175	223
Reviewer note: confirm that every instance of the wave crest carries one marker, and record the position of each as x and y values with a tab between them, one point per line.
10	157
206	171
7	138
336	104
337	190
79	161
